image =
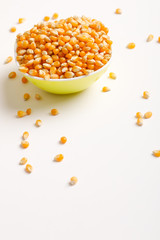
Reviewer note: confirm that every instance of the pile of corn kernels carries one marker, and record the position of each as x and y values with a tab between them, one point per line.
67	48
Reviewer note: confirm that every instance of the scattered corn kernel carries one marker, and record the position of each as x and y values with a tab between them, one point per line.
9	59
54	111
73	180
105	89
24	144
12	75
131	45
21	20
46	18
29	111
23	161
139	121
55	15
150	38
156	153
139	115
24	80
38	123
146	94
26	96
29	168
158	39
148	115
118	11
37	96
112	75
59	157
13	29
63	140
25	135
21	114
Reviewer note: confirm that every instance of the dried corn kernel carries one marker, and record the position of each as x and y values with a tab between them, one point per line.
63	140
55	15
28	111
150	38
139	115
25	135
158	39
140	121
37	96
38	123
26	96
12	75
54	111
9	59
24	80
156	153
46	18
131	45
105	89
13	29
21	20
118	11
24	144
112	75
73	180
29	168
59	157
21	114
148	115
146	94
23	161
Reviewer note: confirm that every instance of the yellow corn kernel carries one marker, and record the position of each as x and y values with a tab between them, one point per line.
9	59
118	11
29	168
63	140
54	112
148	115
21	114
112	75
12	75
139	115
23	161
59	157
46	18
37	96
131	45
26	96
146	94
158	39
55	15
25	135
73	180
29	111
24	80
21	20
156	153
24	144
13	29
139	121
150	38
38	123
105	89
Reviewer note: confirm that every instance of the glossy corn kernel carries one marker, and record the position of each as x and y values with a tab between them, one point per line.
118	11
150	38
59	157
139	115
29	168
105	89
29	111
55	15
23	161
146	94
158	39
21	114
24	144
139	121
12	75
156	153
26	96
112	75
46	18
38	97
63	140
148	115
25	135
131	45
21	20
54	112
13	29
24	80
38	123
9	59
73	180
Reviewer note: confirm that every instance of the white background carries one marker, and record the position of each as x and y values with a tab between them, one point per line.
118	193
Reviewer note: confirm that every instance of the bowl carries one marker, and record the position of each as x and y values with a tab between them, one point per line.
66	85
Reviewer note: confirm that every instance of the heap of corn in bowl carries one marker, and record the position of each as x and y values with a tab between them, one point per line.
68	48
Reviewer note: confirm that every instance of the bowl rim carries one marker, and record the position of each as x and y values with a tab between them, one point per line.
58	79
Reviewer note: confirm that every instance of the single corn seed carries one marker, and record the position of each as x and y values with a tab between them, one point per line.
148	115
59	157
139	115
73	180
105	89
146	94
23	161
26	96
9	59
29	168
118	11
24	144
112	75
28	111
156	153
38	96
21	114
46	18
38	123
25	135
63	140
54	112
12	75
55	15
131	45
21	20
13	29
150	38
158	39
140	121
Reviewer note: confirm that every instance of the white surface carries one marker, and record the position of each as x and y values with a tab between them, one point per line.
118	194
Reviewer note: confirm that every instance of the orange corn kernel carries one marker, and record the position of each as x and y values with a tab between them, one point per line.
24	80
23	161
9	59
148	115
24	144
139	115
38	123
156	153
139	121
25	135
55	15
63	140
54	112
112	75
29	168
46	18
13	29
59	157
105	89
150	38
29	111
158	39
73	180
131	45
38	97
118	11
26	96
21	114
21	20
12	75
146	94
